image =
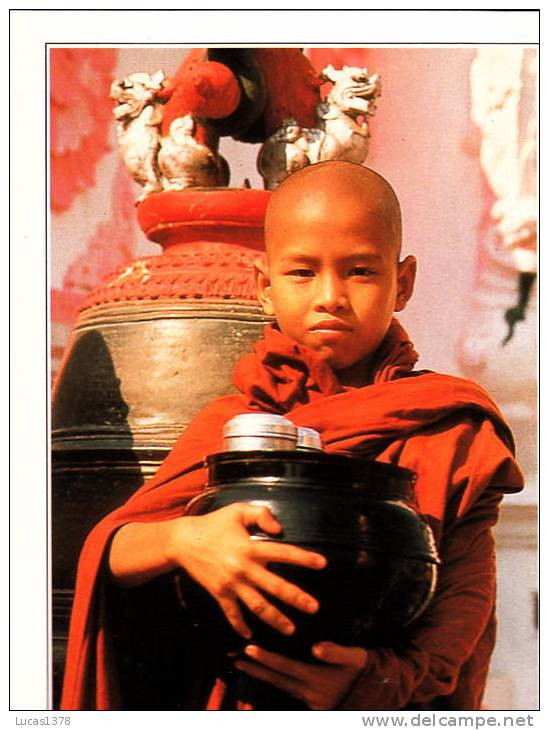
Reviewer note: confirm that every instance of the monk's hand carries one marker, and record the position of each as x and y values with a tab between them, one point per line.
320	686
216	550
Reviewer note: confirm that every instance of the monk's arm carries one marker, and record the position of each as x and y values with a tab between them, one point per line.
215	549
140	552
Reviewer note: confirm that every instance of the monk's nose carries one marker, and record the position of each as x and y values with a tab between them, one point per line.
331	294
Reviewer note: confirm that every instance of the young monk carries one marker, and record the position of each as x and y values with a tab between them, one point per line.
335	360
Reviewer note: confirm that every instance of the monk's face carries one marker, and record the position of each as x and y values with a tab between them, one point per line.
332	278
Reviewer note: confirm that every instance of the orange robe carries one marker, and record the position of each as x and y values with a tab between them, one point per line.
444	428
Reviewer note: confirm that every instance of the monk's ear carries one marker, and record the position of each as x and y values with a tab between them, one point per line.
263	284
405	282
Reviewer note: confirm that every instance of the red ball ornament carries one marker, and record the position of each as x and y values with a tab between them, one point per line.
209	90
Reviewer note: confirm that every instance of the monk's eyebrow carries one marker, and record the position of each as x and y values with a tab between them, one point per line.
303	259
361	257
358	256
298	258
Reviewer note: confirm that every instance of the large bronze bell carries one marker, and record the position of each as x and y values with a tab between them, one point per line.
153	344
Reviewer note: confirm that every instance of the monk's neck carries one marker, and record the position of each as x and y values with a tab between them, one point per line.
358	375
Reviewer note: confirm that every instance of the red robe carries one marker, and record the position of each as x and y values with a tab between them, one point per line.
444	428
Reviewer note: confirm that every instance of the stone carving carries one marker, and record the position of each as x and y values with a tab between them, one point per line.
184	162
289	149
161	162
342	132
352	97
139	115
506	117
516	226
503	94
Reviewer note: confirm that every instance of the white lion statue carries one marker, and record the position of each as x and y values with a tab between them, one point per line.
139	115
342	132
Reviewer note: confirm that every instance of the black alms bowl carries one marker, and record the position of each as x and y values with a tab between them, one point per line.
360	514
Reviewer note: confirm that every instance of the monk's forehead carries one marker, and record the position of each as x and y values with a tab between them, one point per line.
348	194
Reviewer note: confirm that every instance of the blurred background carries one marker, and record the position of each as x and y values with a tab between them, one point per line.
455	133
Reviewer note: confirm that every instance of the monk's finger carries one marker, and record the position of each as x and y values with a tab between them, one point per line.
233	614
285	591
350	656
281	681
277	552
260	516
279	663
260	607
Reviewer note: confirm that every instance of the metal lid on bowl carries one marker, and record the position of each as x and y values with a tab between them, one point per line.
308	439
256	431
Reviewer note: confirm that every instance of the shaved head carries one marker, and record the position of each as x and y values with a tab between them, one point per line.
336	189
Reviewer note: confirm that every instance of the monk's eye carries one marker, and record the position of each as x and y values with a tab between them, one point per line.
301	273
361	271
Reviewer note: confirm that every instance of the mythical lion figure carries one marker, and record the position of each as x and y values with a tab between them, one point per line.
342	132
139	115
157	161
186	163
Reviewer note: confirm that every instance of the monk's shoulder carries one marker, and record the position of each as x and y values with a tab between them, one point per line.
448	386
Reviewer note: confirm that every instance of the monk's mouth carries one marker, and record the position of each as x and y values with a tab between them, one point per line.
330	325
330	336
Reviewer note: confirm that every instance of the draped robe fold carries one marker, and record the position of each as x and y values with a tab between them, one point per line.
444	428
